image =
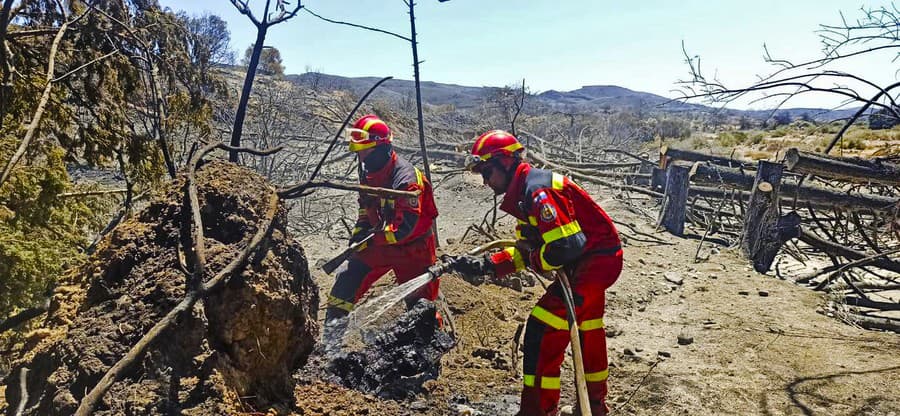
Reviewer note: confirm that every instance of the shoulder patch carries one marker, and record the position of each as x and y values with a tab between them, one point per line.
540	197
548	213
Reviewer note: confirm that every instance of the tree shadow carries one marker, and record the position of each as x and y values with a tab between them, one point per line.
802	399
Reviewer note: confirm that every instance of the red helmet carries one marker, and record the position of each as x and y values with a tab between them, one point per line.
491	144
369	131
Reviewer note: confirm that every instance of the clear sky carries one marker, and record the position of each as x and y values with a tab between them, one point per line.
555	44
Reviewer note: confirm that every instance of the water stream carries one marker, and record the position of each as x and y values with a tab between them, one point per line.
369	312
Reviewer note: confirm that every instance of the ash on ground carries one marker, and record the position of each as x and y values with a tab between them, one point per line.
394	363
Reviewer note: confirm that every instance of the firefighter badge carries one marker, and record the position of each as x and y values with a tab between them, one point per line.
548	213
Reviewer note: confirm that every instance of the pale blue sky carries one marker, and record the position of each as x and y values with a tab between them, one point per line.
560	44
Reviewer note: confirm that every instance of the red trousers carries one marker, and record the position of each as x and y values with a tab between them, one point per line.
364	268
547	336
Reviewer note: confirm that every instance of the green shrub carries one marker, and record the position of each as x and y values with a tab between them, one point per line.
731	138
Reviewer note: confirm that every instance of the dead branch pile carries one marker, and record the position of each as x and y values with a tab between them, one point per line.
814	209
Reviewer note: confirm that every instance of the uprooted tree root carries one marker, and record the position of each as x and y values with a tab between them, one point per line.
233	352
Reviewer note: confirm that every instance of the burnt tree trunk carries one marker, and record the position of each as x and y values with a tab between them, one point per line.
760	242
675	201
842	168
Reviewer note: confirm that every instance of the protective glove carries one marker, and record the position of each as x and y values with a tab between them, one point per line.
473	268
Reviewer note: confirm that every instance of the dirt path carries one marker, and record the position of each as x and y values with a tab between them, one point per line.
758	344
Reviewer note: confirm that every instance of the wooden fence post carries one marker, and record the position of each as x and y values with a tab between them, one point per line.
658	180
675	201
761	240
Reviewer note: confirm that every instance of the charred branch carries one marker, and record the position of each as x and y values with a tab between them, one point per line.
853	170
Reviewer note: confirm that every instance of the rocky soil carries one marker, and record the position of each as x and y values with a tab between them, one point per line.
700	338
704	337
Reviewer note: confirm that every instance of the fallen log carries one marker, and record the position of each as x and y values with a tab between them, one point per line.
868	303
836	249
841	168
820	197
535	157
874	322
678	154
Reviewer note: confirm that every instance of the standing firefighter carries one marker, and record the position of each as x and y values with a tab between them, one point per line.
402	241
559	226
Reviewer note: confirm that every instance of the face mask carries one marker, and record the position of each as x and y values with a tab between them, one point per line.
379	157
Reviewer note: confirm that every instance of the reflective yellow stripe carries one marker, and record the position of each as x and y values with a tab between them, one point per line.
596	377
370	123
334	302
565	230
549	383
419	178
386	202
516	256
591	324
528	379
511	148
544	264
532	220
549	318
519	234
557	181
481	144
362	246
389	235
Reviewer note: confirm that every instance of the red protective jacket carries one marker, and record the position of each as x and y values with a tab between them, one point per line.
557	218
396	221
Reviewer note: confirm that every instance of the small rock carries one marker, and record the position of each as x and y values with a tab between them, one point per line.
641	261
450	241
664	354
566	410
743	293
642	308
684	339
418	405
638	349
463	410
613	331
674	277
627	351
763	293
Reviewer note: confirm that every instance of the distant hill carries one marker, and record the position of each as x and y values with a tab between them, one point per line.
611	97
591	98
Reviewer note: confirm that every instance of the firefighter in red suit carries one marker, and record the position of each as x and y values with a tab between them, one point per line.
559	226
403	240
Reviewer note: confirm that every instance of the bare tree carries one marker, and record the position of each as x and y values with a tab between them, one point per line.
875	31
268	20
